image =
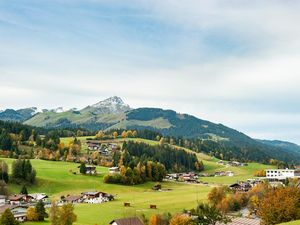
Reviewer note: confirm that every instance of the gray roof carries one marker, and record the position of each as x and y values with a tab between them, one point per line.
242	221
128	221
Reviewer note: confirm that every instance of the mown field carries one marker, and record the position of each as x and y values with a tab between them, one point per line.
296	222
57	179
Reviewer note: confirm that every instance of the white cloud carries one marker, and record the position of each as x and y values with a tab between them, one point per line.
233	62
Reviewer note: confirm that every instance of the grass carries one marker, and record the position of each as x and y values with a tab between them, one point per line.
296	222
55	179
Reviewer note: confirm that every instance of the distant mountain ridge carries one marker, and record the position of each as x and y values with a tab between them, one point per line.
113	113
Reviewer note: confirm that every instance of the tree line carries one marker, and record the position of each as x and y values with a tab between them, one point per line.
176	160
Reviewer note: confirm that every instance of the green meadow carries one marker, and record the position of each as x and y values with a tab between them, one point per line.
58	178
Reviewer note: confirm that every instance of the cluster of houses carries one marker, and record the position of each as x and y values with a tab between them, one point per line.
232	163
190	177
91	197
224	174
19	203
102	147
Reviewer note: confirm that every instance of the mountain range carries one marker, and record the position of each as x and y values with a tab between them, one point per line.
113	113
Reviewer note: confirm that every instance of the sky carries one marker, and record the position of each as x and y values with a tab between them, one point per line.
234	62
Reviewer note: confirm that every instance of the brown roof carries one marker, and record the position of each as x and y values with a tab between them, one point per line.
128	221
5	207
16	197
242	221
72	198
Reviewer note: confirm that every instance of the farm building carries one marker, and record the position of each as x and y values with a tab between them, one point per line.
127	221
241	187
19	212
73	199
90	169
35	197
242	221
113	170
17	199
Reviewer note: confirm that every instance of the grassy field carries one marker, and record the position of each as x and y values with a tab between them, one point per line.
296	222
210	163
55	179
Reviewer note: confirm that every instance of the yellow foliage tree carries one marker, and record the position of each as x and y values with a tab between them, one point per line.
115	134
100	134
180	219
32	215
124	134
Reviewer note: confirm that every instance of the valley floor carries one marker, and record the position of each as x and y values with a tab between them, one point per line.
56	179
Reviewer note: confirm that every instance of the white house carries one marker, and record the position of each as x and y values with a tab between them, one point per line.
281	174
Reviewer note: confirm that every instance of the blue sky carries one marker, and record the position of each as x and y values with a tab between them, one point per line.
231	62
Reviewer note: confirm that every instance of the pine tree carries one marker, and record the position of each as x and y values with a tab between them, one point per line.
8	218
41	211
24	190
82	169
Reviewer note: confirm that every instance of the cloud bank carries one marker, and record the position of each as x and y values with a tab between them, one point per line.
233	62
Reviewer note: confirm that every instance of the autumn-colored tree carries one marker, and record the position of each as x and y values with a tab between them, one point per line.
134	133
209	215
115	134
124	134
280	205
180	219
157	219
67	215
216	195
259	173
100	134
129	134
162	141
32	214
54	214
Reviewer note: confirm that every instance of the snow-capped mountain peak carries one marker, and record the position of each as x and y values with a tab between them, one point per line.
111	105
58	110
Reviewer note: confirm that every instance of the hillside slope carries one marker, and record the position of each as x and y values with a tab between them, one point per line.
113	113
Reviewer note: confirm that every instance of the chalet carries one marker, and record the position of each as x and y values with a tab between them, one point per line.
2	199
127	221
229	173
90	169
96	197
93	146
241	221
235	163
91	194
240	187
35	197
17	199
73	199
113	170
19	212
221	162
220	174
